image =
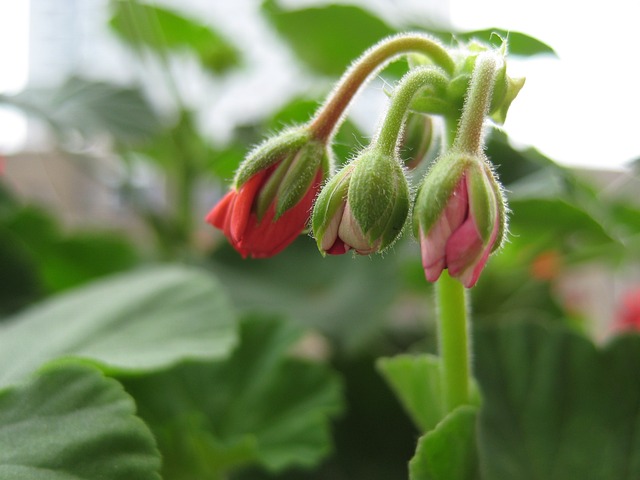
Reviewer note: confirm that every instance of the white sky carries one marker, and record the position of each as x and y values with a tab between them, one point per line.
580	109
14	39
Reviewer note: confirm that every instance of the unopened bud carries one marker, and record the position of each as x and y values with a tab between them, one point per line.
363	207
459	217
274	188
416	139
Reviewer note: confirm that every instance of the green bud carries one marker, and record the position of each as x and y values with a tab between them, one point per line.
416	139
364	207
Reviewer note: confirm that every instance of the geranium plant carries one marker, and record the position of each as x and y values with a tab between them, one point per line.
365	306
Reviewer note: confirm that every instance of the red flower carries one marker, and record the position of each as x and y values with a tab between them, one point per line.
235	215
274	189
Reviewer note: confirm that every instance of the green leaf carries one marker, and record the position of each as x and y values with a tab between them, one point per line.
69	422
417	383
449	452
557	407
164	30
133	322
61	261
258	407
90	108
327	38
519	44
561	219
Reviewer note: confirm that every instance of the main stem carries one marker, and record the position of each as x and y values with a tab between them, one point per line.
328	117
453	341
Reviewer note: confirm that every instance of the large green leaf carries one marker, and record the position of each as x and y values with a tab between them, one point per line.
257	407
557	407
158	28
327	38
90	108
417	383
133	322
68	423
449	452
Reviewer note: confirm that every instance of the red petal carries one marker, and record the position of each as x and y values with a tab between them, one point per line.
338	248
219	213
269	236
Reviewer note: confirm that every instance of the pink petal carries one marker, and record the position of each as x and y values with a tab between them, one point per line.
433	245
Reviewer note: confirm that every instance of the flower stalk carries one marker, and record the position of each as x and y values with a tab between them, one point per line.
453	341
453	316
329	116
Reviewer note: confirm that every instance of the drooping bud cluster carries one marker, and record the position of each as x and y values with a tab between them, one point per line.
459	215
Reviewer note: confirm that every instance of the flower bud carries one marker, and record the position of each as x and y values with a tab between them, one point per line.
363	207
459	217
273	192
416	139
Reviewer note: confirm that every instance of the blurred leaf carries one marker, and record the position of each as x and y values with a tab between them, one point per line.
417	383
69	422
519	44
449	452
160	29
562	221
89	108
62	261
133	322
342	296
327	38
556	407
257	407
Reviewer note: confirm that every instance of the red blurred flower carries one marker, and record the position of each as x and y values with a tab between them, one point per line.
628	315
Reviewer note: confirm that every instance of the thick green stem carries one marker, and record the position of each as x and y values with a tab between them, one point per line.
469	134
454	346
328	117
409	86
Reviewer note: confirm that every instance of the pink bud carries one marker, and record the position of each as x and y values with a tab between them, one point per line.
467	228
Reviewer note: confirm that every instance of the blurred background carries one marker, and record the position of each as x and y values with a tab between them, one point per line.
122	122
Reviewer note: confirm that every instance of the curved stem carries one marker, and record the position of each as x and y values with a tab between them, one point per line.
453	341
409	86
469	135
328	117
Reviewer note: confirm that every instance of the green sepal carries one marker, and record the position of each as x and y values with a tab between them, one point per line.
513	87
331	197
501	205
270	152
483	203
300	175
379	196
